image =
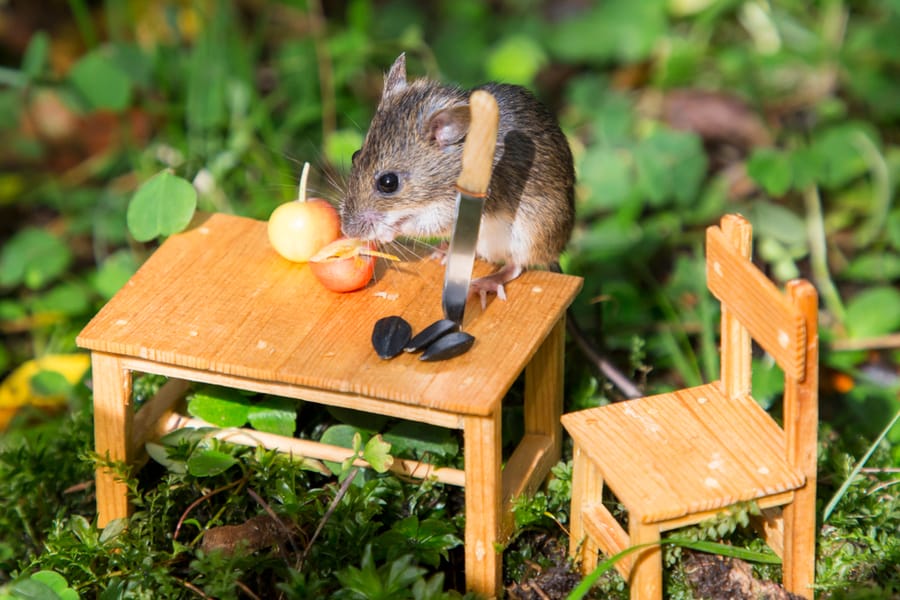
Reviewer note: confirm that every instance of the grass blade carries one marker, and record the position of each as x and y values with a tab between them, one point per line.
829	508
699	545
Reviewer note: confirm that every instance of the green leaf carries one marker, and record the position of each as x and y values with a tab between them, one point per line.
34	257
608	175
160	454
377	454
101	81
340	146
113	529
516	59
222	407
45	585
37	53
839	155
114	272
873	312
163	205
208	462
274	415
49	383
428	540
613	29
771	168
873	267
892	229
776	221
670	164
69	299
422	439
343	436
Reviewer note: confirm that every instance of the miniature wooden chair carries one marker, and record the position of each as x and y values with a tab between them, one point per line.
216	304
679	458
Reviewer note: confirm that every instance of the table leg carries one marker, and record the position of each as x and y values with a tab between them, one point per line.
481	446
113	422
544	390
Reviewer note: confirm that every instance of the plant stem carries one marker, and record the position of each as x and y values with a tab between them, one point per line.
304	175
818	254
342	491
82	15
881	189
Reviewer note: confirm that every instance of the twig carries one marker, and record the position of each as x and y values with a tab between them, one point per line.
246	589
202	499
618	379
271	513
193	588
889	341
342	491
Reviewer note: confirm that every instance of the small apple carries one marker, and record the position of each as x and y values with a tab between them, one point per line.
346	265
299	229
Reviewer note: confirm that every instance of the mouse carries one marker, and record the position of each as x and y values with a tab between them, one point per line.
402	181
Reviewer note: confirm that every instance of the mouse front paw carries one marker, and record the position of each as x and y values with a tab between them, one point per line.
493	283
440	252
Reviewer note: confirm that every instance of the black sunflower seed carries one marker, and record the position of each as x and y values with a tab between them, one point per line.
430	334
448	346
390	335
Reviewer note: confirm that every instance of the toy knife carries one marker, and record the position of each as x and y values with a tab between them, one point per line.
472	185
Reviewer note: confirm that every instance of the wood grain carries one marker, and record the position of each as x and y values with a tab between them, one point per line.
113	426
755	301
478	149
218	298
678	458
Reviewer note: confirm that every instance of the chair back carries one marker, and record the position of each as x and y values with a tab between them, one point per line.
783	324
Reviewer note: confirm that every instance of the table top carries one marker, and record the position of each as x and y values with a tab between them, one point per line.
219	298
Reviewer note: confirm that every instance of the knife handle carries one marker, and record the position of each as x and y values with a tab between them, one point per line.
478	149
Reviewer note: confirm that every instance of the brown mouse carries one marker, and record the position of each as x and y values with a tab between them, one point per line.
402	180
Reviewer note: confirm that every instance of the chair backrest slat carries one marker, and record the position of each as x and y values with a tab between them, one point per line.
761	308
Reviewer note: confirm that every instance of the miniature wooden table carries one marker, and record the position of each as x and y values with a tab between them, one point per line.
216	304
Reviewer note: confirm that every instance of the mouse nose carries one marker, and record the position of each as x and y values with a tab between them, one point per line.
361	224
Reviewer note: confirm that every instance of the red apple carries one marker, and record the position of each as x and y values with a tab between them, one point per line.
341	267
346	265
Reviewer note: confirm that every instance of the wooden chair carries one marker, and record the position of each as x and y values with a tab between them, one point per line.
679	458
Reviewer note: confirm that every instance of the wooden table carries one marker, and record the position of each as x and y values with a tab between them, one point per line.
216	304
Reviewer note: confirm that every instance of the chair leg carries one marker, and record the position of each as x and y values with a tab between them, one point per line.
484	490
799	560
587	487
113	424
646	573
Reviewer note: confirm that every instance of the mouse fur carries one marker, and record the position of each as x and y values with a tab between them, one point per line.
402	180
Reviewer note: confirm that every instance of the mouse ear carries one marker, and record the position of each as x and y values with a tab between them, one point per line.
395	80
448	126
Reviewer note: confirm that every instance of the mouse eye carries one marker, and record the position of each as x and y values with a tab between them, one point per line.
388	183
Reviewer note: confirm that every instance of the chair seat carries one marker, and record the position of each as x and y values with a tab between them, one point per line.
684	452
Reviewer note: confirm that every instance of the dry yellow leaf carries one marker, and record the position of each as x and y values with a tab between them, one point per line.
16	390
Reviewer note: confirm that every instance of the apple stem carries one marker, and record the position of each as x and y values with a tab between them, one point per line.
304	175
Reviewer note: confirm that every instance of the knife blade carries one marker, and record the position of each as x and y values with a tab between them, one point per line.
471	186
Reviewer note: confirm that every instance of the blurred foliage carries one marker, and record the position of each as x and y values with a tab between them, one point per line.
677	111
